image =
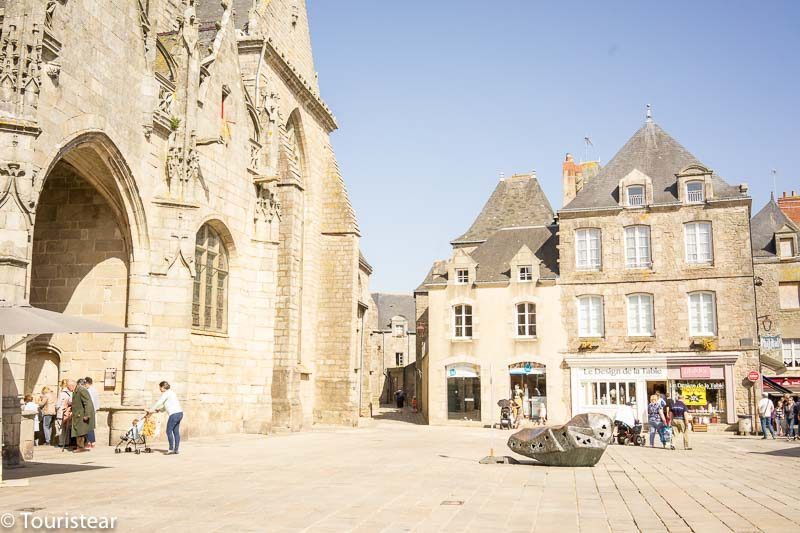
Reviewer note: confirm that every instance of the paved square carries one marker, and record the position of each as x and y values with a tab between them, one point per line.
398	476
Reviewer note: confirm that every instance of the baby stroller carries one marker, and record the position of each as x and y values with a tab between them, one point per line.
665	434
135	439
505	414
629	434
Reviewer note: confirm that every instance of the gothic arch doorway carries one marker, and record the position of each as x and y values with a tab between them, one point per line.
41	369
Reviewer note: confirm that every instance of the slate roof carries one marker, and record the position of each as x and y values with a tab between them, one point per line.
654	152
765	224
494	255
516	201
391	305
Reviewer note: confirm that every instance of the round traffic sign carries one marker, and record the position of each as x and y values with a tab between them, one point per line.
753	376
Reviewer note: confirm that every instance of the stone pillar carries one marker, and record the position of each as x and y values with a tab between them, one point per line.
286	407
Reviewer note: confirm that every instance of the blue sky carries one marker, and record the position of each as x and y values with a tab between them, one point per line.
435	98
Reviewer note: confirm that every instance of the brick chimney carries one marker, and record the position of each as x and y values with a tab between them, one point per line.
570	173
790	205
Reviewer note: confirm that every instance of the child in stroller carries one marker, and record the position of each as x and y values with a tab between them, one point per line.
505	414
134	438
665	434
629	430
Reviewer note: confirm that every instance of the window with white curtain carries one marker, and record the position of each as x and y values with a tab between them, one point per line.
640	315
462	315
791	353
526	320
702	314
590	316
698	242
637	247
587	249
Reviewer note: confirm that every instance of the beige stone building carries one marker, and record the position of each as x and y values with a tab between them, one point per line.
656	279
777	281
166	165
395	344
489	316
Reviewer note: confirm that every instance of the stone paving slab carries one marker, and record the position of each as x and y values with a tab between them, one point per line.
397	475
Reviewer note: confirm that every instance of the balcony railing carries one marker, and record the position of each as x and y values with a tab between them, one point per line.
636	199
694	196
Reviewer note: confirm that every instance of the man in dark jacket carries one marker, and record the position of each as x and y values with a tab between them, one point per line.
82	413
796	418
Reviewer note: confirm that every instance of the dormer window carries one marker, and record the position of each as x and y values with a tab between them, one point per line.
635	195
785	247
694	192
462	276
399	330
526	273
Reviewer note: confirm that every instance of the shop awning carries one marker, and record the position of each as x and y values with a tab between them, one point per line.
782	385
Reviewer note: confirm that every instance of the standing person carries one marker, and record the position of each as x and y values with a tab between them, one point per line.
82	414
796	418
780	418
47	404
29	406
788	416
765	410
655	417
96	403
64	414
679	420
169	403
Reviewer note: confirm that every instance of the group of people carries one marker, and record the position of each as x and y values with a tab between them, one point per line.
666	414
66	419
781	419
69	419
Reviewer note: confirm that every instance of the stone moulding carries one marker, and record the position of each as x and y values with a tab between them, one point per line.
579	442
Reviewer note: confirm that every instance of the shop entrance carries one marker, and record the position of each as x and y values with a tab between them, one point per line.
656	387
463	392
528	382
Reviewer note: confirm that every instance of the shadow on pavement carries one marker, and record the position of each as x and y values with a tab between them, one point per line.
783	452
399	415
32	469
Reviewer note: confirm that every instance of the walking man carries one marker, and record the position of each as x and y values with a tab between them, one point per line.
765	410
678	411
169	403
82	413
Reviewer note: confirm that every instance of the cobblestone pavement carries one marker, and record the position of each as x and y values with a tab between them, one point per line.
395	475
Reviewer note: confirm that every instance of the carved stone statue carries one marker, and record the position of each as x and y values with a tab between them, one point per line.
579	442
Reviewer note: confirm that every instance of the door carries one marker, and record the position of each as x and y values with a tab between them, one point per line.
41	369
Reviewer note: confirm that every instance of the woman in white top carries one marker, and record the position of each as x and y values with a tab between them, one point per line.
169	403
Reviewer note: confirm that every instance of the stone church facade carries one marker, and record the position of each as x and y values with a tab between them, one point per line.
166	165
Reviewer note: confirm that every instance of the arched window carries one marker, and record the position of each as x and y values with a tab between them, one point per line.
526	320
694	191
635	195
702	314
210	297
590	316
640	315
462	321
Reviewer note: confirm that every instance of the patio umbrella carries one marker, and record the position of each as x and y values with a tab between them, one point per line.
30	322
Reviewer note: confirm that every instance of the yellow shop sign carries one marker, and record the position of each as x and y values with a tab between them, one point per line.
694	395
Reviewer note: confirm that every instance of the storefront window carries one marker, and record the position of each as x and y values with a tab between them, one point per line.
609	392
704	399
463	392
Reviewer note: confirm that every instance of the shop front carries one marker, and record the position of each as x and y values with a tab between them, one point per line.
530	379
463	392
603	382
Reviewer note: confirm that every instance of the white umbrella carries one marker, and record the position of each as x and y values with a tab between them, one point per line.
30	322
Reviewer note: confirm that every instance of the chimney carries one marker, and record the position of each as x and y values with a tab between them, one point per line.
569	173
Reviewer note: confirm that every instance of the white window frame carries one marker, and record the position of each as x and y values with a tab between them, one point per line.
525	273
640	315
588	249
526	319
463	330
707	323
692	233
398	358
399	330
792	360
591	321
780	241
642	250
641	196
702	191
462	276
